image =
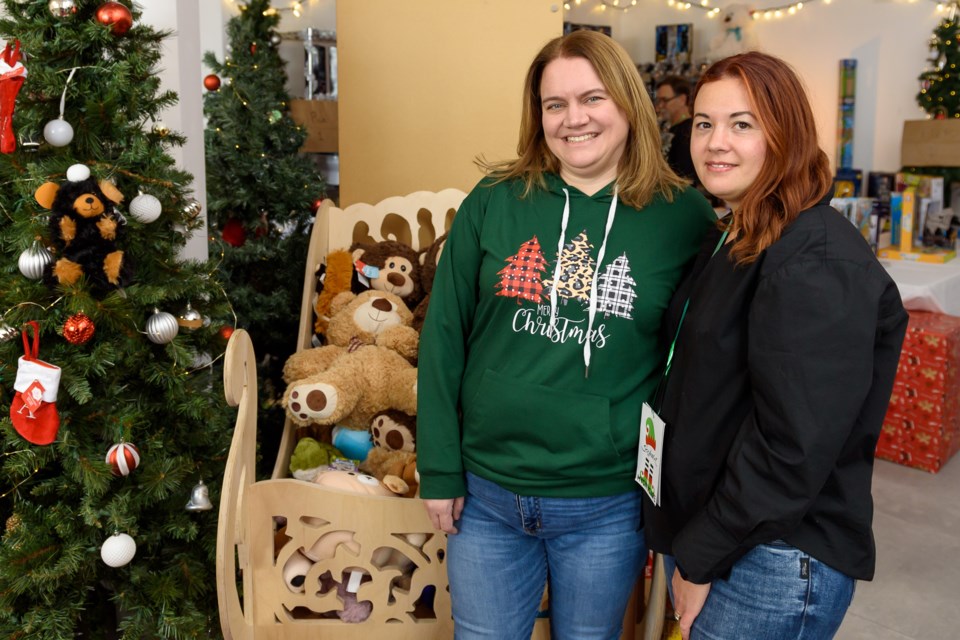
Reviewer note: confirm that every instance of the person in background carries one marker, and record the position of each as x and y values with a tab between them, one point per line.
673	104
541	343
783	366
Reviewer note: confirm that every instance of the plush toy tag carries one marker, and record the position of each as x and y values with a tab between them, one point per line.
650	452
366	272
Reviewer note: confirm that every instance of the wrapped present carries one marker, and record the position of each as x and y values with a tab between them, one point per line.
922	425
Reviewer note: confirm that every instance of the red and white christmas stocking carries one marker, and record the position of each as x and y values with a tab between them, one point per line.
12	75
34	409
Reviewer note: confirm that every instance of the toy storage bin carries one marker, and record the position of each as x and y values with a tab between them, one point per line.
254	600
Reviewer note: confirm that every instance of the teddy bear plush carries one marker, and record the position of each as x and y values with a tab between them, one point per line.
429	259
85	228
394	449
388	266
736	32
365	370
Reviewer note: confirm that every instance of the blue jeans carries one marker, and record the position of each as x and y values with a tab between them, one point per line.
775	592
592	550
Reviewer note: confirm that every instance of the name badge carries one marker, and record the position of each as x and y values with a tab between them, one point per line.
650	453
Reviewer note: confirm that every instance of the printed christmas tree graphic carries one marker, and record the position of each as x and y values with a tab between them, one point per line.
576	270
615	289
521	277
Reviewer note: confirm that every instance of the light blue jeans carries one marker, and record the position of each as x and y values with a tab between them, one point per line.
591	549
775	592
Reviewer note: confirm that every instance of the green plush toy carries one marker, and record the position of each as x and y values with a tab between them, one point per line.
309	455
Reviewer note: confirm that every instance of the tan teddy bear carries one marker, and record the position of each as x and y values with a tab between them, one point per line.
364	370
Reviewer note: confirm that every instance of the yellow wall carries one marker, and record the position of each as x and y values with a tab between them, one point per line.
427	85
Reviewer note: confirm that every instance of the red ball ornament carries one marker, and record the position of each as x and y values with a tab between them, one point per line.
211	82
226	331
123	458
316	205
116	16
233	233
78	329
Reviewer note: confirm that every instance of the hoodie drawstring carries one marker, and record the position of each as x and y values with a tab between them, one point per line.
592	310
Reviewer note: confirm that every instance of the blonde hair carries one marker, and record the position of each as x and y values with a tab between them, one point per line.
642	172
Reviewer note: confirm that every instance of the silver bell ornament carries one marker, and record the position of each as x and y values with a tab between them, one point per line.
199	498
162	327
34	260
145	208
58	133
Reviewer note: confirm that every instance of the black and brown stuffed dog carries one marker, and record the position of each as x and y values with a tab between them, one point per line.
85	228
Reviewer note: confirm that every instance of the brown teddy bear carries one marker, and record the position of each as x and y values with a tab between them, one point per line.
364	370
388	266
429	259
394	449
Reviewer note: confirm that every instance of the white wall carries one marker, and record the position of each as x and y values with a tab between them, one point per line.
887	37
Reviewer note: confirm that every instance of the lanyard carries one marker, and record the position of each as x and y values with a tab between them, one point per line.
683	314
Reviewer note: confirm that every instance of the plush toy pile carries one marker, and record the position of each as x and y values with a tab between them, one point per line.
353	400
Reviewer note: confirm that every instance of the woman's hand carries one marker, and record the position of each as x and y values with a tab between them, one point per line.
443	513
688	599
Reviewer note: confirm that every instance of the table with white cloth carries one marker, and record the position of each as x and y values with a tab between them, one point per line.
927	287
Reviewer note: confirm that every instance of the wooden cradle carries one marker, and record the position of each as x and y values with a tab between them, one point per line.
254	601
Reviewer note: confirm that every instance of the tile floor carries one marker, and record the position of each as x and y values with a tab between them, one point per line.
916	591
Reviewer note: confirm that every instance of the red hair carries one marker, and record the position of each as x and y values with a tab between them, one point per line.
795	173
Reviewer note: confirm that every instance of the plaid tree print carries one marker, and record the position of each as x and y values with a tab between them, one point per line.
520	279
616	289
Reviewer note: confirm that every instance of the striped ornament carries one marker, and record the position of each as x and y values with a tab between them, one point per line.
123	458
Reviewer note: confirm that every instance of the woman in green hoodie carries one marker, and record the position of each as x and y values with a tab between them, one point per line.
542	342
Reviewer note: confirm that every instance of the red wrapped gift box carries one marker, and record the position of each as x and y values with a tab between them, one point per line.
922	425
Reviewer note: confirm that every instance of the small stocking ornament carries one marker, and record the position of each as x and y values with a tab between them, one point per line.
34	409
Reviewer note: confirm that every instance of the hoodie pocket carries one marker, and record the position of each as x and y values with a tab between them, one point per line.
536	429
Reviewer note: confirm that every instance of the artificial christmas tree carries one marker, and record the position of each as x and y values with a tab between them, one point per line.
940	85
97	542
261	198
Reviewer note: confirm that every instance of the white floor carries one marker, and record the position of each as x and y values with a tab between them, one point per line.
916	591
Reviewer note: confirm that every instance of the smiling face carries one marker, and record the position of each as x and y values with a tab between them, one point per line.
582	125
727	145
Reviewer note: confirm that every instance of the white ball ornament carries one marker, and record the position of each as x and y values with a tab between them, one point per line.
34	260
58	132
162	327
78	173
145	208
118	550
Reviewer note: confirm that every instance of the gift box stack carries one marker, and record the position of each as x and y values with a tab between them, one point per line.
922	425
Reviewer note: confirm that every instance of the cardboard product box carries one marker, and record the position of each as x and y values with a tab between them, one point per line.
930	143
922	426
319	118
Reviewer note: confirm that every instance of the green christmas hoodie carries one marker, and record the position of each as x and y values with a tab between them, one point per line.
518	381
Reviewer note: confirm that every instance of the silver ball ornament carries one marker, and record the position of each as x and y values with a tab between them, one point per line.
7	333
62	8
190	319
192	209
162	327
145	208
118	550
58	132
34	261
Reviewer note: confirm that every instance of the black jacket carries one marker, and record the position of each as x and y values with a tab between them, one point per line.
779	385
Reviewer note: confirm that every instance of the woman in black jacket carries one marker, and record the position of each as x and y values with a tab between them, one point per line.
784	361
